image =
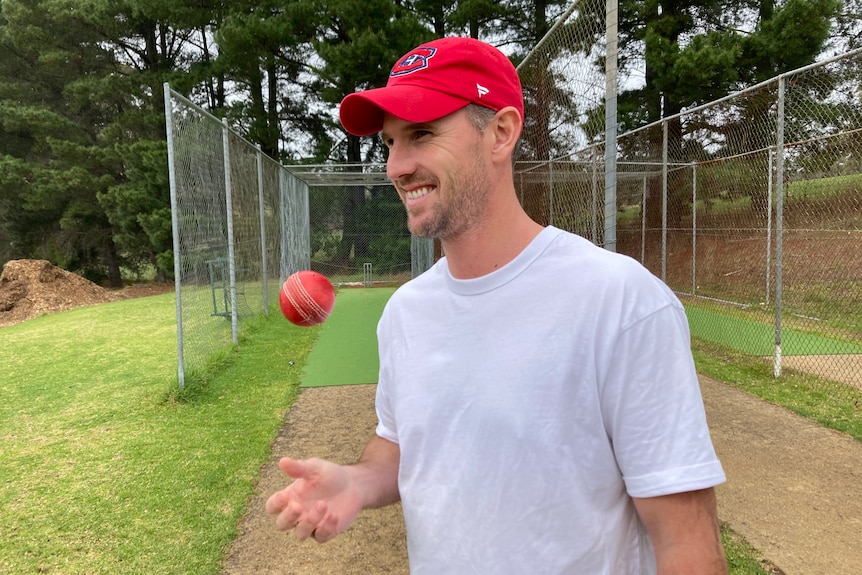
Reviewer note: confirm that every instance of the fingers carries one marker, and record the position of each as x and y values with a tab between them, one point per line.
315	524
291	513
304	506
307	525
326	530
278	500
293	467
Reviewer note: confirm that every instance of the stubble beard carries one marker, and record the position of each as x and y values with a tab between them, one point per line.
463	208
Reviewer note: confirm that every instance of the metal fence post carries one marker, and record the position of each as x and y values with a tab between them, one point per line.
664	144
231	252
610	212
769	193
694	228
263	255
594	196
550	191
172	178
643	219
779	220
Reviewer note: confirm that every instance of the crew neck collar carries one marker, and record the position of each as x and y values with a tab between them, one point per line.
505	274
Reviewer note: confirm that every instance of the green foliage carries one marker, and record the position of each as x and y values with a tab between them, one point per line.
65	115
139	209
824	188
699	51
377	232
390	243
82	171
793	35
706	68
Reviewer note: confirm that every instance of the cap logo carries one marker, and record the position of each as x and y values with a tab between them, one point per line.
415	60
482	90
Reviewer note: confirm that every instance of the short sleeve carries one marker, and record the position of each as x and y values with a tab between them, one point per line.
653	409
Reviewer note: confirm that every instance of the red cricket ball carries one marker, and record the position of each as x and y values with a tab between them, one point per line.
306	298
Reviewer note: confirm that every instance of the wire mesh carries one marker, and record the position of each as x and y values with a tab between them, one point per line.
240	228
357	225
748	207
560	166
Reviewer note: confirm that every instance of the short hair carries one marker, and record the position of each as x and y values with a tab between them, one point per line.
479	116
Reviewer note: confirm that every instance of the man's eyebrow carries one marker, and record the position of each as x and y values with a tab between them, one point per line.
413	126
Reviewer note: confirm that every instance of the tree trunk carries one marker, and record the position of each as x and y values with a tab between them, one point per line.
112	261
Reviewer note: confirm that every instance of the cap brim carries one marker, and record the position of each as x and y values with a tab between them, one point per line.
362	112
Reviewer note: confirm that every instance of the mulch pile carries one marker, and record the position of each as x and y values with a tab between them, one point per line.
29	288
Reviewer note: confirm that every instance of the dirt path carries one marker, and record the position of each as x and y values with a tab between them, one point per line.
333	423
794	489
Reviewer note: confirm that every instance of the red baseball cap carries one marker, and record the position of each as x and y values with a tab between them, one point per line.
434	80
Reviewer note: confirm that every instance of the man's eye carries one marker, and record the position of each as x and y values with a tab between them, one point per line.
421	134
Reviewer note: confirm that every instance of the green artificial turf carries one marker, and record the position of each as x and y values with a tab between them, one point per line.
346	351
758	339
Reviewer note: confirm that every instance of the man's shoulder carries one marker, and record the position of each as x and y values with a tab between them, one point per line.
581	253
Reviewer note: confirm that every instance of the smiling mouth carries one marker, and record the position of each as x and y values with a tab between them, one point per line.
418	193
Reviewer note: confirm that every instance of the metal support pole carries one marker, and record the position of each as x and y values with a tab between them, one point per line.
611	78
664	145
594	197
769	192
284	224
172	178
643	220
694	229
550	192
231	255
263	255
779	220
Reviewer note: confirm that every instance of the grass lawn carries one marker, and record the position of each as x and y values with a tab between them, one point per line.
105	468
802	393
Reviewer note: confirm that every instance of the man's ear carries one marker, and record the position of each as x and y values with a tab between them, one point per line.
505	131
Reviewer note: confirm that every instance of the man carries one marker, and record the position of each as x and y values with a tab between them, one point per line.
538	406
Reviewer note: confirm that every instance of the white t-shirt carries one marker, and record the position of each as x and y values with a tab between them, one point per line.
530	404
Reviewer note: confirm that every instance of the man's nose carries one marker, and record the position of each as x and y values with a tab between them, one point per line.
400	162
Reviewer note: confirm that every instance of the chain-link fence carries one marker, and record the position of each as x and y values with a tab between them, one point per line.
358	226
240	225
563	175
748	207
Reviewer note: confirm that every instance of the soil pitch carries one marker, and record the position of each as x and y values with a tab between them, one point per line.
794	489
